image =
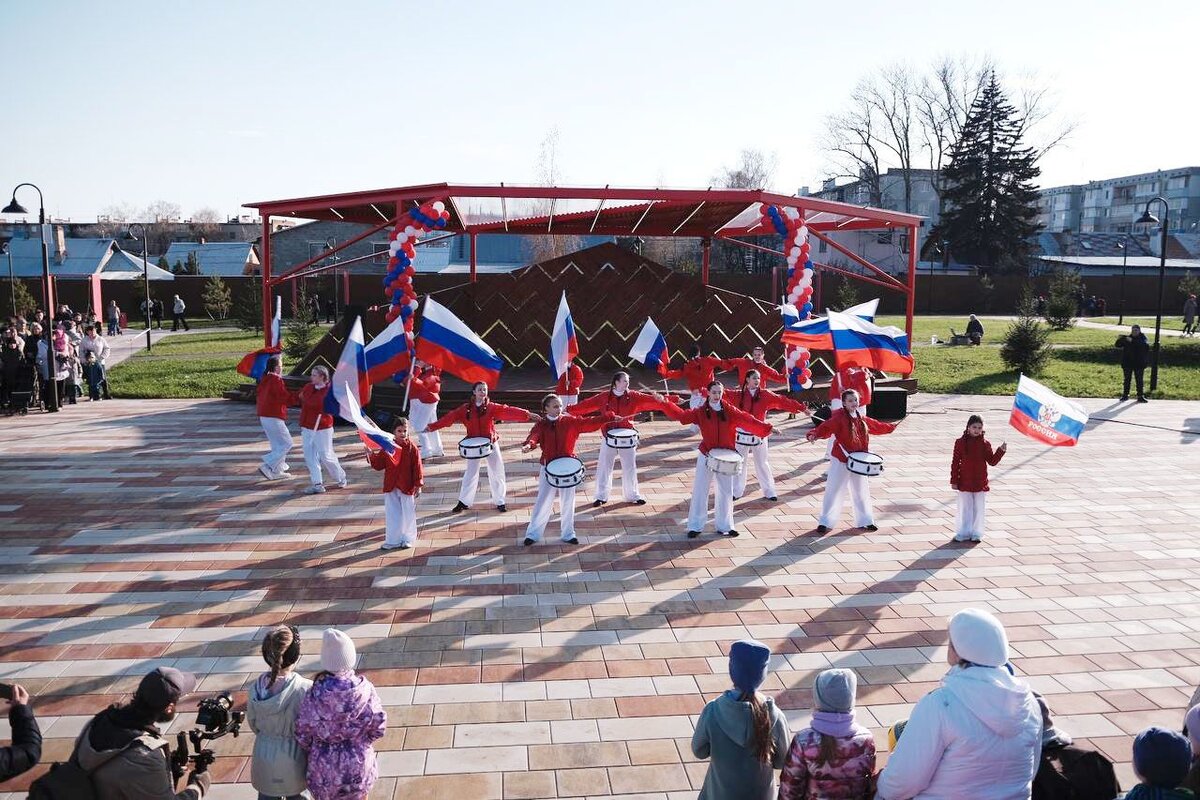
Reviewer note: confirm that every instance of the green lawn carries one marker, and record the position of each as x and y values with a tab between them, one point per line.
197	365
1171	322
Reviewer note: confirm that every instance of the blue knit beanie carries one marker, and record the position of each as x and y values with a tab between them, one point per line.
748	664
1162	757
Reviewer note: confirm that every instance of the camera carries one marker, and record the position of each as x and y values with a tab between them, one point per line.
214	719
214	713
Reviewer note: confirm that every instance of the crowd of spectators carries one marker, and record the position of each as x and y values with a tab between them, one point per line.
73	359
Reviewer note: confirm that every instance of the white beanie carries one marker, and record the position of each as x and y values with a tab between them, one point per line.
979	637
337	651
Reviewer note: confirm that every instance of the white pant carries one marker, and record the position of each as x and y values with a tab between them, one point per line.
972	509
318	454
400	517
496	478
568	400
280	439
722	506
838	480
762	469
833	405
420	415
543	507
604	472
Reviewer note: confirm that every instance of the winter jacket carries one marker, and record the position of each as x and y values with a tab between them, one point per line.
279	764
480	421
850	434
557	437
744	365
128	762
847	776
26	748
179	306
856	378
44	358
570	382
312	408
718	429
978	735
699	372
1144	792
340	718
758	403
622	406
974	326
969	467
1135	351
426	386
97	345
272	397
1189	309
724	734
402	470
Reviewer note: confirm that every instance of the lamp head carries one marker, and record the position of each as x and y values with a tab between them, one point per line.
14	207
1147	218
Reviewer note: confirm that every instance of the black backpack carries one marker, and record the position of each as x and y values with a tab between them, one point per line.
1073	773
65	781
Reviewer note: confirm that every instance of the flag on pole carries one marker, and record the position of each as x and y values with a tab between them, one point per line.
276	322
1046	417
650	348
858	343
387	353
350	375
814	333
254	365
563	344
374	437
448	344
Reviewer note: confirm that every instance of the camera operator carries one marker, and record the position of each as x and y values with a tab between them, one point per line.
26	748
124	751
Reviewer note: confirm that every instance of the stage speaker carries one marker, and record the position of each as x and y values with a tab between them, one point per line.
821	413
888	403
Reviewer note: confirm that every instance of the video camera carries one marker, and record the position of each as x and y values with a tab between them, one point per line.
214	719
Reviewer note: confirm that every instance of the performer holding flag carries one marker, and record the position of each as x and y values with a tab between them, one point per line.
425	392
564	347
650	349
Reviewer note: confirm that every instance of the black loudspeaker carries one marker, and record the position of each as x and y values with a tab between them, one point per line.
821	413
888	403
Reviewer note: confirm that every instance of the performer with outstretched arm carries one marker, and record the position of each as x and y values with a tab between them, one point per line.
757	401
850	429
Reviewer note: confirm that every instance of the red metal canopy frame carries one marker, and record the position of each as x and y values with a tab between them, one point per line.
705	214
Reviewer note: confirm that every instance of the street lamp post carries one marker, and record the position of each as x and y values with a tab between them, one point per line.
1124	247
48	294
141	236
1150	219
12	285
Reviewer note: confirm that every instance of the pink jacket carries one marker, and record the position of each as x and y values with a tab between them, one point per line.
847	776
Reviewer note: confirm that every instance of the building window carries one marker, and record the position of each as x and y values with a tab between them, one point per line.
381	253
1178	183
904	242
823	247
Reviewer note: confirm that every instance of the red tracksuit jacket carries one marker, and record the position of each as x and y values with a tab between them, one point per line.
969	467
557	438
718	429
312	408
744	365
273	397
621	405
699	372
480	420
402	470
851	434
757	404
571	381
857	378
426	386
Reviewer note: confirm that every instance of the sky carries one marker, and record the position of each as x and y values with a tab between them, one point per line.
218	103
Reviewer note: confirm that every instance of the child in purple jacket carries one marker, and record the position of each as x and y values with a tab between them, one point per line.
834	758
340	718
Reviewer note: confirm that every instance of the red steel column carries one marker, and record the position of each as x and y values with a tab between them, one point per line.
267	305
706	256
913	243
473	258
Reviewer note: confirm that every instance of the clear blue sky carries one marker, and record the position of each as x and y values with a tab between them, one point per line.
216	103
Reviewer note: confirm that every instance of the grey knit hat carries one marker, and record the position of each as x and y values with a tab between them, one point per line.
834	690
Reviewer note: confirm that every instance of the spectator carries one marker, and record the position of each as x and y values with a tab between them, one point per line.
123	747
1039	305
39	317
315	305
1161	760
12	358
1067	772
1089	306
75	337
331	310
974	330
1189	315
1134	357
26	748
156	312
1191	729
278	766
978	735
66	358
147	309
113	315
1101	306
93	353
64	313
31	341
742	733
53	374
177	309
835	756
340	718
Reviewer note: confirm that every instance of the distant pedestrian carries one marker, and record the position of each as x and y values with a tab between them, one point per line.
1135	354
974	330
93	352
330	311
113	315
177	318
315	305
156	313
1189	315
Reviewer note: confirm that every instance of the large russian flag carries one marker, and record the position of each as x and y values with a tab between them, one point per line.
650	348
858	343
563	344
1047	417
350	375
387	353
814	333
276	323
254	365
374	437
447	343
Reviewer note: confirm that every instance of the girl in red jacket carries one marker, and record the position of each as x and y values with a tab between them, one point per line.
316	432
718	422
851	431
479	417
699	371
402	482
758	363
569	384
756	402
556	433
969	477
271	401
424	394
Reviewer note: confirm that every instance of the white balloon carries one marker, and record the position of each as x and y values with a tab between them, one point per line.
803	231
413	304
410	231
439	206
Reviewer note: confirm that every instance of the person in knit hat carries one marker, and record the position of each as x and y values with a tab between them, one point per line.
339	720
979	734
834	756
742	733
1161	759
1191	729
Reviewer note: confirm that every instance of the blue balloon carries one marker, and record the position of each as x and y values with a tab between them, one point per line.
807	309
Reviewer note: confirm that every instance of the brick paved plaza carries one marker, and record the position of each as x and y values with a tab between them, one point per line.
140	533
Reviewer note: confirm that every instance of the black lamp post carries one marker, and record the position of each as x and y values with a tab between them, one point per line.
1123	245
136	237
12	284
1149	219
48	294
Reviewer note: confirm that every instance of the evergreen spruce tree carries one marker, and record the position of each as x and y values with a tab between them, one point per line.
1026	345
301	331
846	295
1064	299
247	306
192	267
217	297
990	201
164	264
17	292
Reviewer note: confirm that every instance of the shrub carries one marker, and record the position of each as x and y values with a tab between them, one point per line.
847	294
302	331
217	298
1026	347
1061	304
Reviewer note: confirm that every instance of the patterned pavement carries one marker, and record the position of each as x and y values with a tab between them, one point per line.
138	533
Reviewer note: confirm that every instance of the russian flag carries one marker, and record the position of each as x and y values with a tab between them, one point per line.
276	322
563	344
254	365
858	343
374	437
387	353
350	375
1046	417
814	333
650	348
448	344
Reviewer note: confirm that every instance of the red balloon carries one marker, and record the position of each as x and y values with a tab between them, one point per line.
408	249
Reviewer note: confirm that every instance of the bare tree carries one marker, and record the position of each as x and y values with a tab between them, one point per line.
205	222
162	211
754	170
852	141
544	248
943	98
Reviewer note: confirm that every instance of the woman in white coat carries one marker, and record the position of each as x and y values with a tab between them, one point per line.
978	735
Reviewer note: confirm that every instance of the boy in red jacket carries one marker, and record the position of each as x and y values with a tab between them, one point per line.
403	478
851	430
969	477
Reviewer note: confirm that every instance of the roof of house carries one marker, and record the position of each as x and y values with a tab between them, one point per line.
227	259
125	266
83	257
1134	262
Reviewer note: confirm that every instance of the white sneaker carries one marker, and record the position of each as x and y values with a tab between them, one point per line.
976	537
316	488
285	468
386	546
343	483
962	537
266	473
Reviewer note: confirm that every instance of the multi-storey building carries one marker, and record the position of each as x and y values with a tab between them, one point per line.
1113	205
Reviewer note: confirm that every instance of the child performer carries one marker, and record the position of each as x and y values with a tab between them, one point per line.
423	398
623	402
850	429
271	401
569	384
479	417
556	433
756	402
856	378
699	371
718	423
316	432
403	478
758	362
969	477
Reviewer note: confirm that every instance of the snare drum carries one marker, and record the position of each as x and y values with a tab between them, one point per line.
475	447
864	463
621	438
747	439
724	462
564	473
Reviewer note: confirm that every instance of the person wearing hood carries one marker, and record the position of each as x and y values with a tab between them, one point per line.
1161	760
1191	729
969	477
835	756
1135	355
339	720
278	766
978	735
742	733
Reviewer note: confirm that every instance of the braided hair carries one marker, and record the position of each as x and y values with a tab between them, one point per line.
281	650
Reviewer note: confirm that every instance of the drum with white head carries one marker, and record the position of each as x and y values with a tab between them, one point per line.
724	462
747	439
621	438
475	447
565	472
861	462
